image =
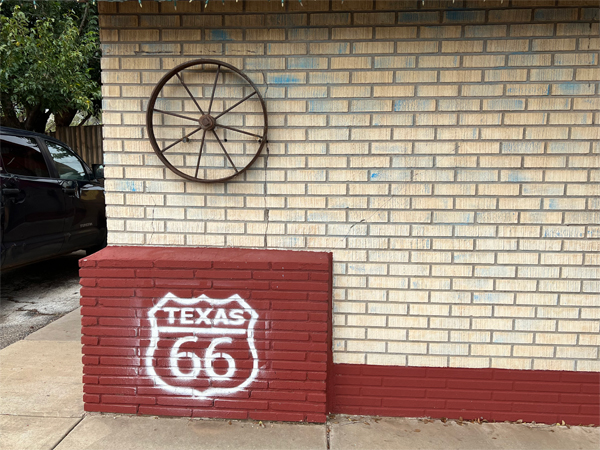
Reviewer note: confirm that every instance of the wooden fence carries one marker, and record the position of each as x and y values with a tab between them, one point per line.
86	141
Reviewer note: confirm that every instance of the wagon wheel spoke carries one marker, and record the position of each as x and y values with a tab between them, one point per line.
182	139
240	131
212	96
200	153
225	151
175	114
237	104
189	93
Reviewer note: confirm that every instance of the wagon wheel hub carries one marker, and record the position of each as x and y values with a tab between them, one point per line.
207	122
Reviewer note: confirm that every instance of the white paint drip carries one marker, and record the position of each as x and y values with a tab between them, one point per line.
189	312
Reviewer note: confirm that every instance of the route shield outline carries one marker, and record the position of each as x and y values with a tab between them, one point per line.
190	335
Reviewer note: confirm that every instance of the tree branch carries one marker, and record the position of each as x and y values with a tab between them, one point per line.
83	19
85	119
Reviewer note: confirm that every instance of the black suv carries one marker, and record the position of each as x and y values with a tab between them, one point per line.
52	202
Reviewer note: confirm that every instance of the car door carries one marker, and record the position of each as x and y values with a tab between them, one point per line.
33	208
85	226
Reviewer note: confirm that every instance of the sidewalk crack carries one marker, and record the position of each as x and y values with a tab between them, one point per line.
68	432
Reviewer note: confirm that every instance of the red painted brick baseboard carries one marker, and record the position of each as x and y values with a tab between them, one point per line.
147	353
491	394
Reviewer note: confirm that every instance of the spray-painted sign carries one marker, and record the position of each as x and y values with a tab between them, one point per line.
202	347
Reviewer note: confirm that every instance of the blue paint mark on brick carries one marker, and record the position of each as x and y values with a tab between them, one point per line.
593	233
462	16
516	177
127	185
356	269
568	88
318	106
572	89
568	147
342	48
414	105
563	232
285	79
296	34
584	119
446	203
558	147
459	256
553	204
374	175
486	298
220	35
549	190
253	64
507	104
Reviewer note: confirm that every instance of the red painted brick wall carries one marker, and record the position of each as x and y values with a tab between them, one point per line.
493	394
290	292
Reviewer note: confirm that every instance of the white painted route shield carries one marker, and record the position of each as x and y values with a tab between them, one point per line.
202	347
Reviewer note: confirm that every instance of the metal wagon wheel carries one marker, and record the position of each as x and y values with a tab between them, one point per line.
206	121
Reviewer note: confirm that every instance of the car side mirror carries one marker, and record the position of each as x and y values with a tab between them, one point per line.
98	170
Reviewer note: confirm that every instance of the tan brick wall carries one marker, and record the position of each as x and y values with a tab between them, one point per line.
447	157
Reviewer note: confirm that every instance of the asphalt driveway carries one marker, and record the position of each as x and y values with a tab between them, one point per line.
35	295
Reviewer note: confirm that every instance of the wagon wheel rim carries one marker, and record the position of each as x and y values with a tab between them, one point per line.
205	122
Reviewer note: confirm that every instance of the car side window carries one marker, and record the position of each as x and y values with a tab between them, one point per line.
22	156
68	165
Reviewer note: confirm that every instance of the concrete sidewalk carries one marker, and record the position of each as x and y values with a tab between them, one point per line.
41	408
